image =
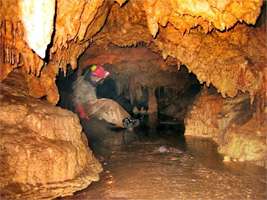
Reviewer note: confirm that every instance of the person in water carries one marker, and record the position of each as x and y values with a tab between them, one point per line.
87	104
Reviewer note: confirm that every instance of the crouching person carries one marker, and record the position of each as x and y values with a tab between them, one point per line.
88	105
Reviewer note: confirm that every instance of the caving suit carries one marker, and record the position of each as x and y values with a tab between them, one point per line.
88	105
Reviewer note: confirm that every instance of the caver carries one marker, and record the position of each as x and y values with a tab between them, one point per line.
87	104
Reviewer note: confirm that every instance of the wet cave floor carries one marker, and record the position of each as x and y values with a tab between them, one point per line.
172	167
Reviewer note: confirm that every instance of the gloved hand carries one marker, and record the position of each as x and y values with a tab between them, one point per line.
80	110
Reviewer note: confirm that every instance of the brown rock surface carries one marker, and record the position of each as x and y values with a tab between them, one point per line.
38	154
75	23
246	143
43	151
78	22
232	123
138	65
232	60
202	120
229	65
187	14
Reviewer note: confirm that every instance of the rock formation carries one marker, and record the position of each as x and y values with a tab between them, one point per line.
232	123
231	61
212	38
182	28
43	151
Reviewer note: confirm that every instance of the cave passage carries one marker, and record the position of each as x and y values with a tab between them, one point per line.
141	85
155	160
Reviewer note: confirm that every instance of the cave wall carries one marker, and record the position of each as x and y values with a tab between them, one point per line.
43	151
74	24
233	123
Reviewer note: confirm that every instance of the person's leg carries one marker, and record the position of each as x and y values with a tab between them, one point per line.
112	112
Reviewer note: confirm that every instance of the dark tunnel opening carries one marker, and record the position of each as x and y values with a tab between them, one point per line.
160	107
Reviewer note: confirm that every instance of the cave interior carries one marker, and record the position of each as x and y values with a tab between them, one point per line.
191	73
133	82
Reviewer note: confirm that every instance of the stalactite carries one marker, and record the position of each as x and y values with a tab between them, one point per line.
9	55
77	22
186	15
38	22
71	38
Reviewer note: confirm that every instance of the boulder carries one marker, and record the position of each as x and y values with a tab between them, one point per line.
43	151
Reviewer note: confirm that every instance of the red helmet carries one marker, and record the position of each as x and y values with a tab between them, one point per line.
99	71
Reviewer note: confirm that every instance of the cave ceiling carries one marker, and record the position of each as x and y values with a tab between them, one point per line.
213	38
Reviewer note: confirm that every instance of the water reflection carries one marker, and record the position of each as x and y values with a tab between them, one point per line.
171	166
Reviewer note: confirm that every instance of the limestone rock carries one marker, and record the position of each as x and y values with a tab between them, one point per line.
202	118
246	143
38	20
231	61
184	14
228	65
43	151
232	123
77	24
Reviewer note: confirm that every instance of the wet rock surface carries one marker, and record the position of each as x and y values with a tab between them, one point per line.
233	123
43	151
247	142
163	169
